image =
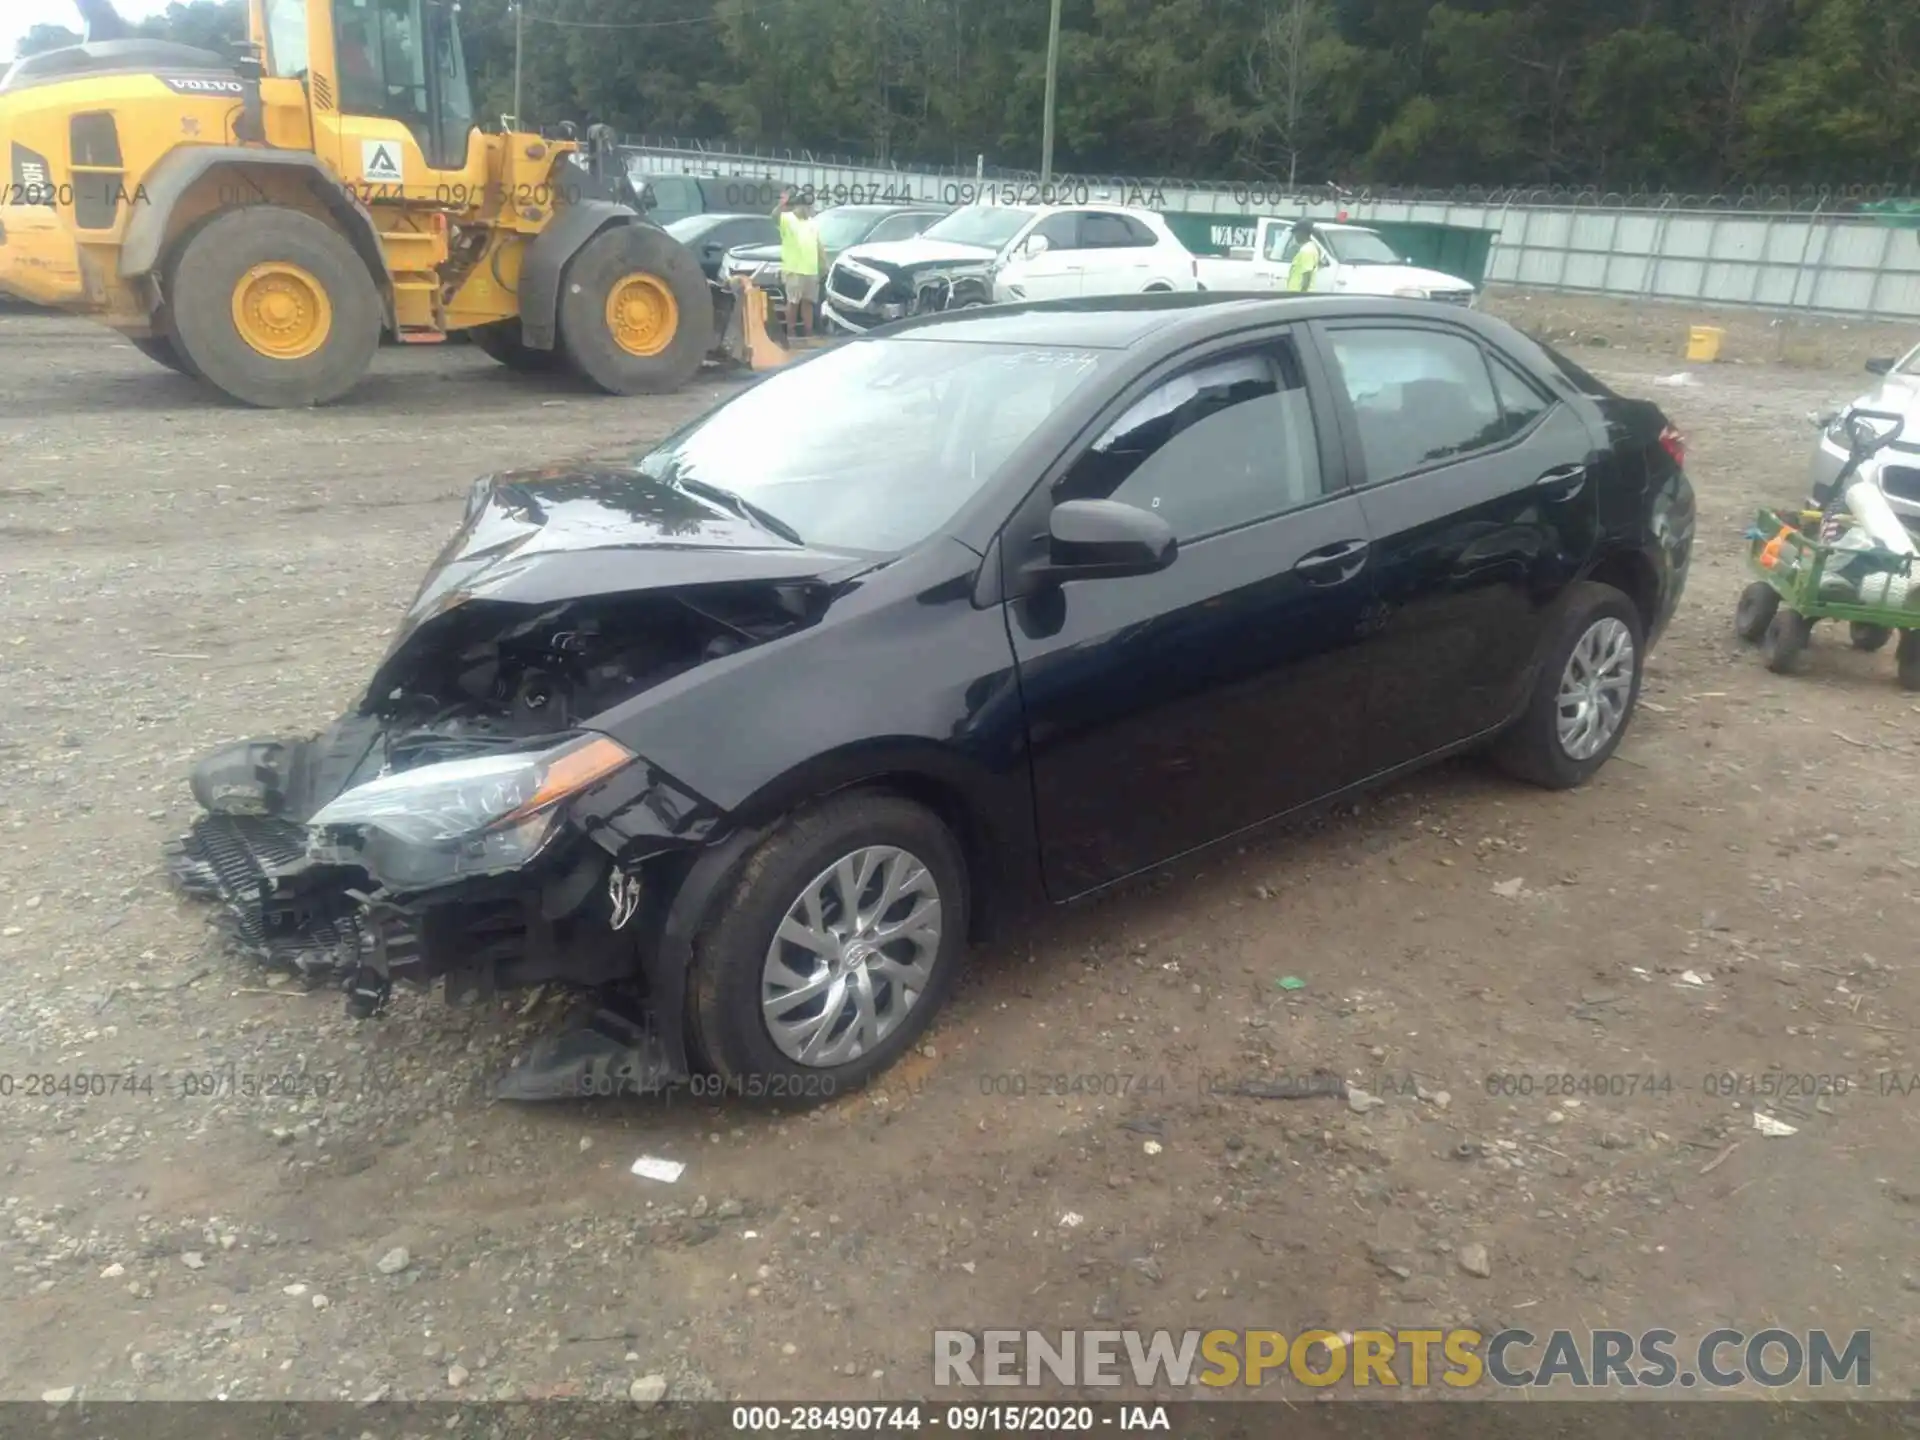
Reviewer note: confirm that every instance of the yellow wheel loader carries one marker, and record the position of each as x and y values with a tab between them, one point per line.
263	223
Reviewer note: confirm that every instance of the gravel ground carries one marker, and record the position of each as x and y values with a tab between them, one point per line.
233	1190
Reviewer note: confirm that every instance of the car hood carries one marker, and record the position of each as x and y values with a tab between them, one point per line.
1385	279
538	537
768	254
919	251
1897	395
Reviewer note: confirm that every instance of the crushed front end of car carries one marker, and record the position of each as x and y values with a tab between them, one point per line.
865	291
466	822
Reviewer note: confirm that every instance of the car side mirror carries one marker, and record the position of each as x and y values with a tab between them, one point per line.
1880	367
1104	540
1036	245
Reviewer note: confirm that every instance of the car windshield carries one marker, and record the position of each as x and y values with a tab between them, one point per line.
841	228
1359	247
988	226
1908	364
873	446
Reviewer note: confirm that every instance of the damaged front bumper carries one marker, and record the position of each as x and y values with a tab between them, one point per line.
602	905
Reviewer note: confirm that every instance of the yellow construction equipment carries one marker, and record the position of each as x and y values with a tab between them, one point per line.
262	223
745	337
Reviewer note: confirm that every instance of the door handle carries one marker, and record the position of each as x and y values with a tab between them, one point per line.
1563	482
1333	564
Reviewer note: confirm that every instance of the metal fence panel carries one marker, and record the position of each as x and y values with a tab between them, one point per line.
1818	262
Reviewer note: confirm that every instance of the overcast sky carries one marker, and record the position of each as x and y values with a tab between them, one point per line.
19	16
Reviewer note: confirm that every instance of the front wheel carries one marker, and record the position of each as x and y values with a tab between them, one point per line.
1584	698
840	940
1759	602
1786	640
636	317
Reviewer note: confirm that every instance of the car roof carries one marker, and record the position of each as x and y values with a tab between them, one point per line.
928	207
1120	322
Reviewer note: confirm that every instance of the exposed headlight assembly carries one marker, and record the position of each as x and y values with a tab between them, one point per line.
480	816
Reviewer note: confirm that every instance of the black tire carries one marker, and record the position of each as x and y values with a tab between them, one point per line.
1908	658
160	349
1531	748
1758	603
501	341
1868	637
609	259
211	268
1786	640
729	1030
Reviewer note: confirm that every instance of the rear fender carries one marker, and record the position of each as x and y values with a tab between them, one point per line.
151	225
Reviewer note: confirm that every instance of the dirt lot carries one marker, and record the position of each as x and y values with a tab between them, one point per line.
1734	897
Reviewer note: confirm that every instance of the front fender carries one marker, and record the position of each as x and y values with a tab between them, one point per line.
546	264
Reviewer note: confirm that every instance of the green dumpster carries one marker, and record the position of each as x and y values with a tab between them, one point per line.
1458	250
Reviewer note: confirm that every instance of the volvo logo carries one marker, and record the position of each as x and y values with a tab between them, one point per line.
191	85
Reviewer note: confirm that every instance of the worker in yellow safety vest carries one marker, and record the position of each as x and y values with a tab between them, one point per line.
1306	259
799	262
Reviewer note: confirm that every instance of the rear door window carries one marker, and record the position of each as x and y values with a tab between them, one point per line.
1101	231
1520	402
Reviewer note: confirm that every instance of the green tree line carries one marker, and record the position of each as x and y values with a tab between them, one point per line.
1622	94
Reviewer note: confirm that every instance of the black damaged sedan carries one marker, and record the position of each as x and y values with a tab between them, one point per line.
979	612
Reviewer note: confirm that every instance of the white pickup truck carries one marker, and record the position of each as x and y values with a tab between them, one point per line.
1356	261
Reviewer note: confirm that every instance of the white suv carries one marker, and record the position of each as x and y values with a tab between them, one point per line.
988	254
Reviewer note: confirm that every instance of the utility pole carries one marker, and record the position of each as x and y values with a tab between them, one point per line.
1053	70
519	46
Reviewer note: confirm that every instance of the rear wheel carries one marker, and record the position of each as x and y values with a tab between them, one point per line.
1786	640
840	940
1868	637
1758	604
501	341
1584	698
275	308
1908	656
636	317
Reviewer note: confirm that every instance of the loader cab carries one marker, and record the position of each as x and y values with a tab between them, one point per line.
397	60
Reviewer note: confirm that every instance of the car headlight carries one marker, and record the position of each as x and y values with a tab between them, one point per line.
1411	292
445	822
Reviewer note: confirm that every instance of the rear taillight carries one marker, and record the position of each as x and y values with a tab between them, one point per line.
1675	444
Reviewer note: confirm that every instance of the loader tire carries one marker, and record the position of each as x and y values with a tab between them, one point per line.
161	350
636	317
501	341
275	308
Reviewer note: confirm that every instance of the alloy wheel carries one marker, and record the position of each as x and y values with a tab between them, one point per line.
1596	688
853	956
